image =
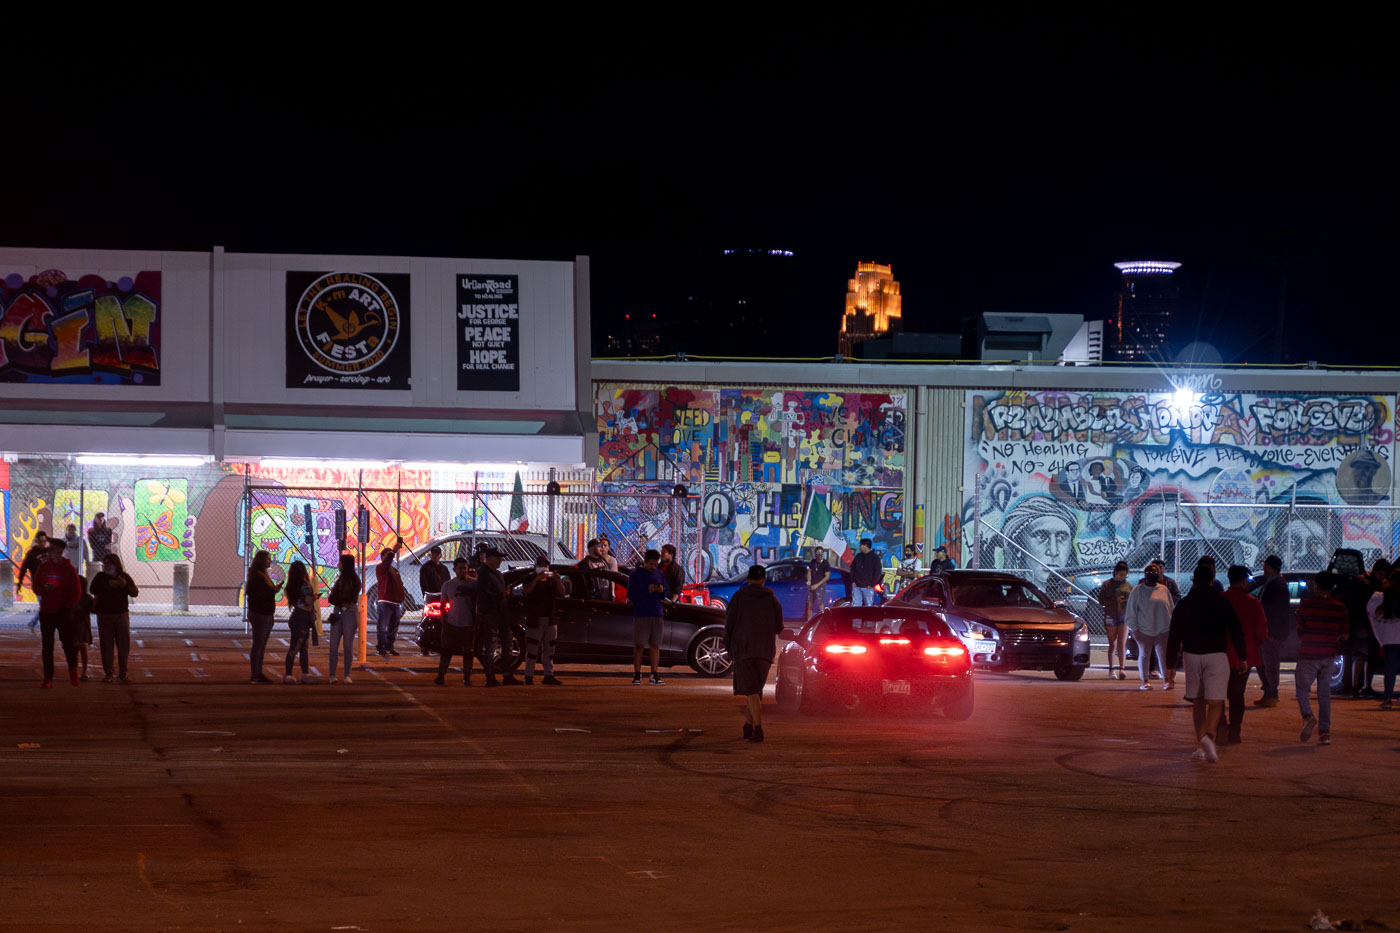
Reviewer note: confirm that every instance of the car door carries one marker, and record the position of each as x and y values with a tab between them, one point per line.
609	615
789	583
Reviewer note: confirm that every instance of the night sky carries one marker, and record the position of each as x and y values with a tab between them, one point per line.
1000	165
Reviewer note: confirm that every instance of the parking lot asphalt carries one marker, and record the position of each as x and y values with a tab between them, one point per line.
192	800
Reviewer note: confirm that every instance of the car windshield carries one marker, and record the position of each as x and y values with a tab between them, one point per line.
993	593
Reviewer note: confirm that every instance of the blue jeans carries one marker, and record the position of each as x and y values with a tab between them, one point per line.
386	627
1320	670
863	596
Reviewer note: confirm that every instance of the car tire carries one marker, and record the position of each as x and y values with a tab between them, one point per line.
707	655
718	602
786	694
1070	672
957	706
1339	673
809	702
517	646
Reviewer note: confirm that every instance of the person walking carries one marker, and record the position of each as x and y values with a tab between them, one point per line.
390	607
99	538
1148	614
458	597
1384	610
344	599
1278	613
262	607
673	572
111	589
57	586
645	589
1323	623
494	624
301	600
432	575
1202	626
1256	630
38	553
541	591
818	572
751	626
1113	600
865	573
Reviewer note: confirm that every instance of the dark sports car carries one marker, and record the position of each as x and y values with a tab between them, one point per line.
595	625
854	658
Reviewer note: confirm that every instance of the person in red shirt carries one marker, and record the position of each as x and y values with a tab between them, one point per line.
57	584
1322	623
391	597
1256	630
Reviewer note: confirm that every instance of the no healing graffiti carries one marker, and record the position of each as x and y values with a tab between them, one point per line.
88	330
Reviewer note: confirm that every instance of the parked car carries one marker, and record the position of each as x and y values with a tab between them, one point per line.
788	579
1032	632
520	550
595	624
857	657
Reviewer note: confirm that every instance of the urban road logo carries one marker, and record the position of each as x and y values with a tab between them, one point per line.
490	323
347	324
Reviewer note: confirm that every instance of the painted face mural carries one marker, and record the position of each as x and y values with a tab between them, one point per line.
1081	480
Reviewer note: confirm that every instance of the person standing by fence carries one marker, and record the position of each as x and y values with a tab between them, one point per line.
672	570
301	600
262	607
1149	618
390	603
111	589
99	538
345	615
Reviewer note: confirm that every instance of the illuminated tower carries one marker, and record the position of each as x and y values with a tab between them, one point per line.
1140	325
872	306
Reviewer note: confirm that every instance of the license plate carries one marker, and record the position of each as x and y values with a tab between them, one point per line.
984	647
894	687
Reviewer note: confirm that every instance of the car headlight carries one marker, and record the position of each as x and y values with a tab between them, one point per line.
984	632
1081	633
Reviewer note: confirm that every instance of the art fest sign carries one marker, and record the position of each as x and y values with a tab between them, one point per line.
488	333
85	329
348	330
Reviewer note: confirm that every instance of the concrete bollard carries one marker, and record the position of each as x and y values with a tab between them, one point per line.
7	585
180	595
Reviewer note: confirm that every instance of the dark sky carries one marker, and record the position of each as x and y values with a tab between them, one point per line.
998	164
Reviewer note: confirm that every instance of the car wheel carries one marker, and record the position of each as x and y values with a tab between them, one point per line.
1339	668
809	701
718	602
957	706
707	654
786	694
429	637
1069	672
517	647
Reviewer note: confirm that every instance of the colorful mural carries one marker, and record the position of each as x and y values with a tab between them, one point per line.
1081	480
755	457
93	330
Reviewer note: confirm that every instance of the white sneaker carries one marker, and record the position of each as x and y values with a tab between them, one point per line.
289	679
1208	744
335	680
1198	755
1145	686
1168	686
348	680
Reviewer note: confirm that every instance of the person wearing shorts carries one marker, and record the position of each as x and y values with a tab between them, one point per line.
1203	624
646	586
751	626
1113	599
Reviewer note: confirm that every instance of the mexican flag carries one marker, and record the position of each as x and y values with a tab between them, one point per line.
821	527
518	521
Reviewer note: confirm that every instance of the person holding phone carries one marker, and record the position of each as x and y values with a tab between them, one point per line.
541	591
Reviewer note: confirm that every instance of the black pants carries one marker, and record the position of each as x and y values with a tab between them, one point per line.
1234	702
495	628
457	640
300	644
62	623
114	634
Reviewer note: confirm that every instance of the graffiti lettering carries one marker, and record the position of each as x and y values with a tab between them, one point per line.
1325	417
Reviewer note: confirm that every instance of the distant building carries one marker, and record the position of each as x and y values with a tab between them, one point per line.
996	337
1140	325
873	306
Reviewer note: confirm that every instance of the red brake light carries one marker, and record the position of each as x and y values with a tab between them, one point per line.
845	649
941	651
434	610
894	641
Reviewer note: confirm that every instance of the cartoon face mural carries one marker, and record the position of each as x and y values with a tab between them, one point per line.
756	456
1081	480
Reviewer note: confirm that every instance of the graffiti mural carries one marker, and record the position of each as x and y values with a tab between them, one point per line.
89	330
755	457
1074	480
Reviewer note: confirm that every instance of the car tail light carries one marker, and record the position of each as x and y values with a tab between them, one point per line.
945	651
435	610
880	588
894	641
845	649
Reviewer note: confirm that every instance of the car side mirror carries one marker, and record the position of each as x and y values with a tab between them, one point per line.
787	634
1060	604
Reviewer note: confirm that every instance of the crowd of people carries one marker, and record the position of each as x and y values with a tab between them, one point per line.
1217	636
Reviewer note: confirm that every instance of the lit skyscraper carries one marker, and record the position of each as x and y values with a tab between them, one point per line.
1143	307
873	306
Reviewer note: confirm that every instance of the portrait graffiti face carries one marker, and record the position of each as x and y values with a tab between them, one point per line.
1040	532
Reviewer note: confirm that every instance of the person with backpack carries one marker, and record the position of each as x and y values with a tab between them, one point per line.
458	622
344	599
1384	610
301	599
112	589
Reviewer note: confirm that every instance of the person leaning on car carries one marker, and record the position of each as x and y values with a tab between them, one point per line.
751	623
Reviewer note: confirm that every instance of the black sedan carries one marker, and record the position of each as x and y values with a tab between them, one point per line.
595	625
853	658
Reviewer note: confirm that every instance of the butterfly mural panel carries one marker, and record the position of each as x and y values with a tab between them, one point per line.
162	519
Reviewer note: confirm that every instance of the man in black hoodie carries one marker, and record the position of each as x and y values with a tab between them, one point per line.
865	573
1202	624
752	622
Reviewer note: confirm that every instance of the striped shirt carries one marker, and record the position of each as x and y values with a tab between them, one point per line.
1322	623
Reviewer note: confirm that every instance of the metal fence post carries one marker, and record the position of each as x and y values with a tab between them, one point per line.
247	540
976	562
551	496
1176	559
